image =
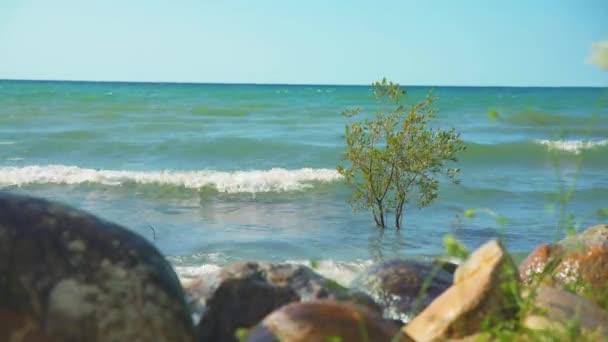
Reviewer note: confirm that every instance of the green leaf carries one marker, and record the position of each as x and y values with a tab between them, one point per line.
333	285
454	248
470	213
571	231
241	334
492	115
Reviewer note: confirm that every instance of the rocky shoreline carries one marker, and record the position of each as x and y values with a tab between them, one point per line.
66	275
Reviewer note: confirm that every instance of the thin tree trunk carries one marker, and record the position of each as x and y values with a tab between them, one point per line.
379	223
381	209
399	212
398	220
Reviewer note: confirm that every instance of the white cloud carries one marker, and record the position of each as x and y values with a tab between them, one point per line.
599	55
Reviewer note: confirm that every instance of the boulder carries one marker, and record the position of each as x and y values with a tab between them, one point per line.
196	292
560	309
579	262
66	275
536	262
244	293
485	288
325	320
397	285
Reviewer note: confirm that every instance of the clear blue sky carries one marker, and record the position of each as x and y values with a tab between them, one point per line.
516	42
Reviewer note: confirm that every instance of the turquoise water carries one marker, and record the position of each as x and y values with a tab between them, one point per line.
217	173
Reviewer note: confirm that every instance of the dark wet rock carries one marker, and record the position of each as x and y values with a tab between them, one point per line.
325	320
66	275
579	262
448	264
397	285
246	292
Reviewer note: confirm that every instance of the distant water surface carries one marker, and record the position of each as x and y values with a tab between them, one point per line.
220	173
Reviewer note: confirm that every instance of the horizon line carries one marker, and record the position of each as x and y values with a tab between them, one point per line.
292	84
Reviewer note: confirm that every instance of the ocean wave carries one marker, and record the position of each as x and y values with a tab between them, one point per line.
191	273
573	146
251	181
343	272
8	142
535	150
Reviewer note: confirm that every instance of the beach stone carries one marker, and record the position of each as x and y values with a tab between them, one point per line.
196	292
66	275
325	320
560	307
579	262
246	292
477	295
535	262
396	285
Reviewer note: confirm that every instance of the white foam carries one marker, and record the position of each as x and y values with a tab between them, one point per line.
343	272
187	273
200	281
572	146
252	181
8	142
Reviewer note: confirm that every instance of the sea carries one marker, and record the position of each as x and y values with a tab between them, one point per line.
217	173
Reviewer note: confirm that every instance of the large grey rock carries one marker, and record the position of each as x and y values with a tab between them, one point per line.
66	275
398	286
246	292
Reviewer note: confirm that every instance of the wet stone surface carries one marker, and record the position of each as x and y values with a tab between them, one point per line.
396	286
246	292
69	276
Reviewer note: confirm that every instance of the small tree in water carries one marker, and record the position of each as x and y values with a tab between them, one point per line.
396	155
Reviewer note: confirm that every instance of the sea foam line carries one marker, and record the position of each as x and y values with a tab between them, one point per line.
573	146
252	181
343	272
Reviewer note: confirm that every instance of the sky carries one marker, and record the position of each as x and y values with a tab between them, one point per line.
467	43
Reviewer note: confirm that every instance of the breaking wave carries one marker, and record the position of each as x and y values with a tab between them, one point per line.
342	272
573	146
250	181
